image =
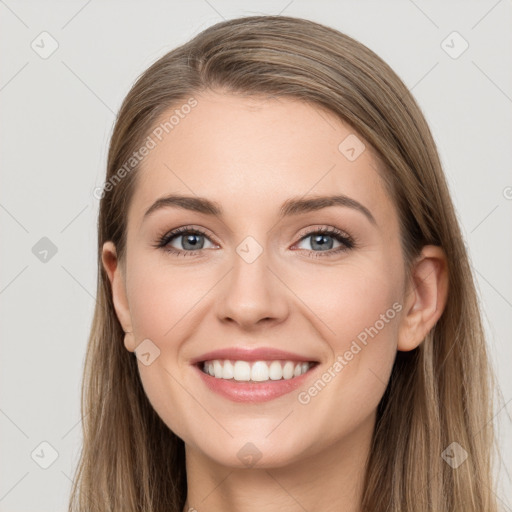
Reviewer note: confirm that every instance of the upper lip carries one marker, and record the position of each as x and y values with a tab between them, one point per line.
251	354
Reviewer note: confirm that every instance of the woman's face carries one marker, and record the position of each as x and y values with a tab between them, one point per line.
259	279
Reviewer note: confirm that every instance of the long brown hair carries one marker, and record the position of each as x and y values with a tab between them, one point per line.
439	393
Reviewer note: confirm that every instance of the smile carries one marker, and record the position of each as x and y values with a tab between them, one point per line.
255	371
255	381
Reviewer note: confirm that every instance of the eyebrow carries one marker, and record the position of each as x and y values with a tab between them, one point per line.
292	206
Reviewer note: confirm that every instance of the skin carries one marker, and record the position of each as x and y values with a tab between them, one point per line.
237	150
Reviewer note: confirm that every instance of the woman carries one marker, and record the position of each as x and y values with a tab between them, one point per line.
286	316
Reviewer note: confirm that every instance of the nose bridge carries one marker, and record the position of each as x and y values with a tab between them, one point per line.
252	292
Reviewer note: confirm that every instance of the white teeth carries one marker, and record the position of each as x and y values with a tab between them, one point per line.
257	371
275	370
228	371
217	369
242	371
288	370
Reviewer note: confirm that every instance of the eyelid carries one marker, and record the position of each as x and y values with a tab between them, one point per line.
326	229
173	233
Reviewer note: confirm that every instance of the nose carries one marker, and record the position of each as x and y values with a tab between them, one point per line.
252	295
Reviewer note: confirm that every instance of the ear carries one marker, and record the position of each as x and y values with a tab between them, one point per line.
116	277
425	298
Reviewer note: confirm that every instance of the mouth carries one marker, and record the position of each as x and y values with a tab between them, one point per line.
255	371
255	381
255	374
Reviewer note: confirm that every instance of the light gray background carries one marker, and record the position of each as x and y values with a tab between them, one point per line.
57	116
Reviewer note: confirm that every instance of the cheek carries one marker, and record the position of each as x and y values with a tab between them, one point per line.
361	308
161	301
358	311
161	297
351	299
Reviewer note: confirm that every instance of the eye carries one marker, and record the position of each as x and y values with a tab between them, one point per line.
324	240
189	240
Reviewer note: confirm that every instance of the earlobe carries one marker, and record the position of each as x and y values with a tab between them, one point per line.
426	298
114	271
129	341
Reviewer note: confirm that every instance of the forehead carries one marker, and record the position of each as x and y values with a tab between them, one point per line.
253	153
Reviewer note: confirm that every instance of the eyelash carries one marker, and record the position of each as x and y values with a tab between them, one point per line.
347	242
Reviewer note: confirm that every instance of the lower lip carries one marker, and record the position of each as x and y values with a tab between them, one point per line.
244	391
